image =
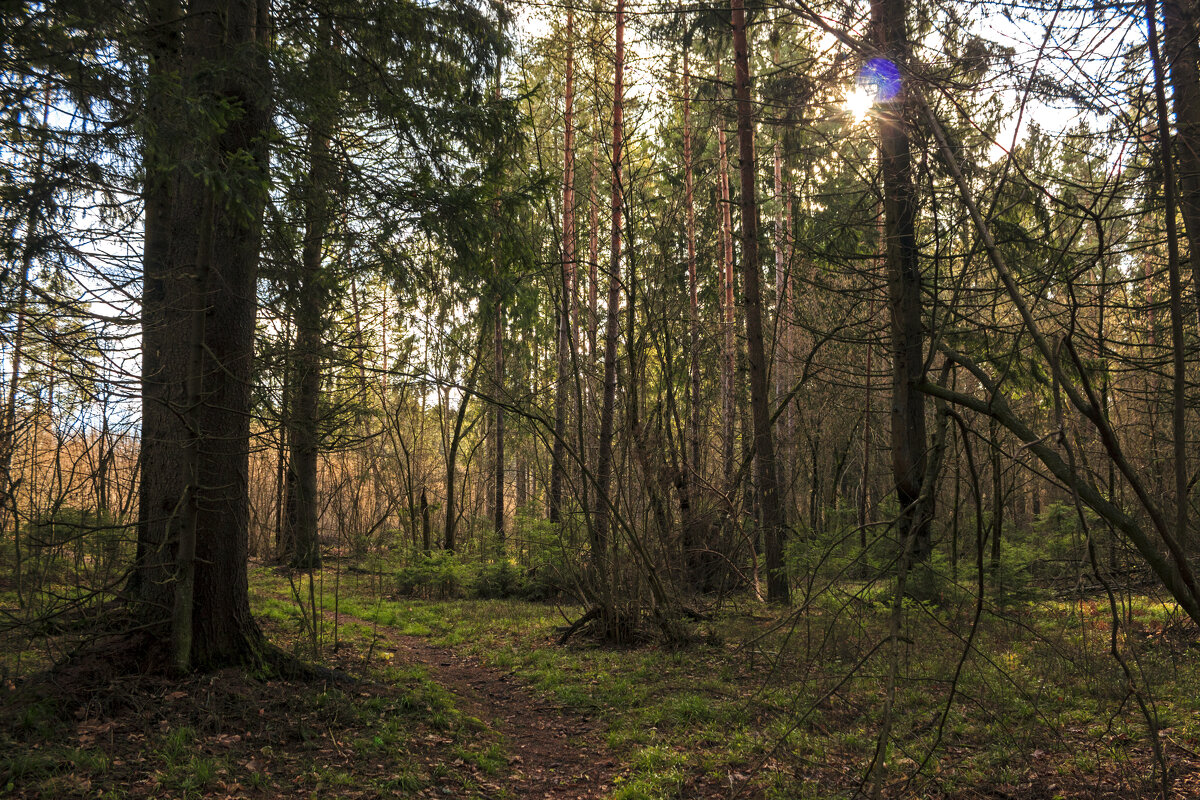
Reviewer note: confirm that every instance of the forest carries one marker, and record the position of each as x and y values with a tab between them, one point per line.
624	399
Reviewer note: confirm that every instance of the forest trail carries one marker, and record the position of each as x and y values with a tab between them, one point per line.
553	753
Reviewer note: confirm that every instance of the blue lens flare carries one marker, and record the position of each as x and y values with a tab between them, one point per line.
880	77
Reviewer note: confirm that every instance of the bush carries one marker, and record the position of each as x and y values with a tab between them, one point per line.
496	581
437	575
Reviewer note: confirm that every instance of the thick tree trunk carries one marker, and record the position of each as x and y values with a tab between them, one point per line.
600	530
566	330
220	55
904	286
764	445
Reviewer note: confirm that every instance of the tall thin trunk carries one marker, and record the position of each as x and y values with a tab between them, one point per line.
1180	30
593	256
693	293
1179	385
498	428
904	285
782	346
312	300
281	450
451	526
426	532
8	425
569	268
728	320
600	531
764	445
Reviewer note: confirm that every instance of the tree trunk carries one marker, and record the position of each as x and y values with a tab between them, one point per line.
566	331
312	301
689	473
600	531
764	445
1179	385
451	526
729	319
8	425
498	429
220	55
1180	30
904	285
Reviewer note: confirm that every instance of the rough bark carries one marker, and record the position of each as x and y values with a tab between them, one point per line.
690	474
219	55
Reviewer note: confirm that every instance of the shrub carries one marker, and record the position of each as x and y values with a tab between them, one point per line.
432	576
499	580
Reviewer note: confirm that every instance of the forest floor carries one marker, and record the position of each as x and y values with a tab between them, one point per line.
474	699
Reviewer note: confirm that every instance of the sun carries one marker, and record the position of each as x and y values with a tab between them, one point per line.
859	101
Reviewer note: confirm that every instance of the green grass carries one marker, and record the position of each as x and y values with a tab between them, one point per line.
801	696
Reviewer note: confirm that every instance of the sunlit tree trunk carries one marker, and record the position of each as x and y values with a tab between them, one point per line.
600	530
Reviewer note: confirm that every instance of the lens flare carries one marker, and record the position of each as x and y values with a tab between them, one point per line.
877	81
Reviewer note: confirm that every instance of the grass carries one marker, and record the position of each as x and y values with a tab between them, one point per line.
780	704
789	701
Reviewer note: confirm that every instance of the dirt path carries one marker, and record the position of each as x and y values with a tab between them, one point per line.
554	754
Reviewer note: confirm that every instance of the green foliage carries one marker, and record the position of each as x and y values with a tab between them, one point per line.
433	575
499	580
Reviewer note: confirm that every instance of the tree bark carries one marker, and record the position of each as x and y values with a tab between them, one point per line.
600	530
1180	31
498	428
566	331
729	319
312	302
219	53
904	285
690	474
1179	385
764	445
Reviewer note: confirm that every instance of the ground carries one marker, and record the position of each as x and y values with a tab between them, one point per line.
475	699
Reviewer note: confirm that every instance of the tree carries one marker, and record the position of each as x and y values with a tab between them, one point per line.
767	481
204	197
